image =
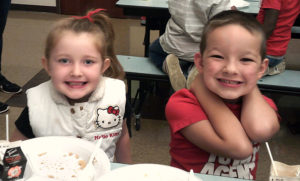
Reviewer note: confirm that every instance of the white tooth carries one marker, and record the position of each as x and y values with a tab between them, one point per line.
75	83
229	82
233	82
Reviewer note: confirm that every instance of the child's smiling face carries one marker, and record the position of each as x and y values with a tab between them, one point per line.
75	65
231	63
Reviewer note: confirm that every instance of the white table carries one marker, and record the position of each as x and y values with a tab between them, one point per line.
253	7
201	176
154	5
161	4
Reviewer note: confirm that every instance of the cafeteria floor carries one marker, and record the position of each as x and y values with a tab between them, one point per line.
23	48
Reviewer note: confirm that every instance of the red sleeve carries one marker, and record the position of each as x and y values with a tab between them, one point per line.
271	103
271	4
183	109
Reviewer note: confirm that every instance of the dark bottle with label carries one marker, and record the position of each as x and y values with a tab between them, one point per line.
14	163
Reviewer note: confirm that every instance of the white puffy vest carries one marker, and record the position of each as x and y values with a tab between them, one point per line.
50	114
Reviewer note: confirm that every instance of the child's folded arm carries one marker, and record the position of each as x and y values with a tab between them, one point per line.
223	134
259	119
203	135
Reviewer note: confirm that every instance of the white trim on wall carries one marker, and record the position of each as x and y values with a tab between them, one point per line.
51	3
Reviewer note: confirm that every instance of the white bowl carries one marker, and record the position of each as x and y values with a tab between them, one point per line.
61	158
147	172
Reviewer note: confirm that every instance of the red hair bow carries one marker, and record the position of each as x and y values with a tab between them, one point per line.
88	16
112	110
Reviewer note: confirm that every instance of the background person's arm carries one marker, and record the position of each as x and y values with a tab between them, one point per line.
270	20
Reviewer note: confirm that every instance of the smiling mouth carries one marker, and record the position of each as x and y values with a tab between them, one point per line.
230	82
76	84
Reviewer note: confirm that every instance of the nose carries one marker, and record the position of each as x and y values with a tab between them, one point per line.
231	67
76	70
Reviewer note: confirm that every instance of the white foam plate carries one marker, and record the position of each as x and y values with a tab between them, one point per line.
147	172
60	157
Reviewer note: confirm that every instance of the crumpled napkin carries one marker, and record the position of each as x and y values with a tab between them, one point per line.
285	171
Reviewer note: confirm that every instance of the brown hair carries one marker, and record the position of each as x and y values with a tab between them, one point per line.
98	24
230	17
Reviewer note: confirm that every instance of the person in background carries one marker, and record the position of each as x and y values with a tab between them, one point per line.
182	36
217	126
5	85
86	95
277	18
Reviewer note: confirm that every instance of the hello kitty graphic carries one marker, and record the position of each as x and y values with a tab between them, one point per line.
108	117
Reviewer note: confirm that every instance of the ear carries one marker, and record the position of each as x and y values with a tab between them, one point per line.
198	61
263	67
45	63
106	64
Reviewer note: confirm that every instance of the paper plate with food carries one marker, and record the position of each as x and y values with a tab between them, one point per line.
61	158
148	172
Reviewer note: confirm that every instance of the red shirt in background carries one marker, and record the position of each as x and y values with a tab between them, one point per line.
288	11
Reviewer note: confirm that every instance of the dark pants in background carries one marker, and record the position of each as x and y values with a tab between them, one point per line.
4	8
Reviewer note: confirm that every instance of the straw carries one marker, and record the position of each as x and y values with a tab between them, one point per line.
7	128
298	172
271	157
191	176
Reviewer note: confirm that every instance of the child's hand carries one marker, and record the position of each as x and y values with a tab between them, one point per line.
202	93
222	133
198	87
196	83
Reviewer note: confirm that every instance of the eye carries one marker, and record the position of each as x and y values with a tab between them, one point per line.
217	56
246	60
88	62
64	60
